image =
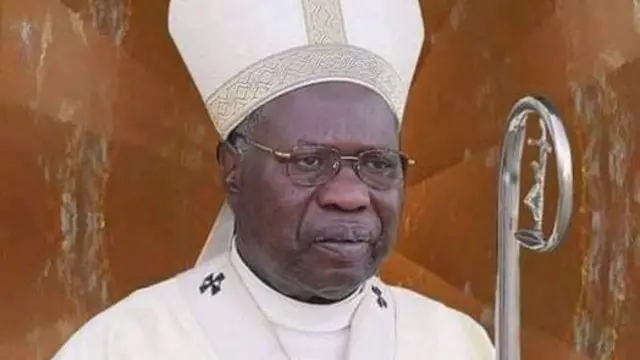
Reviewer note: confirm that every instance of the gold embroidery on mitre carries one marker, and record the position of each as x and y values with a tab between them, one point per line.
273	76
324	21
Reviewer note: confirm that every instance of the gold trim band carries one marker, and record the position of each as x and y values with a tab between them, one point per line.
324	21
273	76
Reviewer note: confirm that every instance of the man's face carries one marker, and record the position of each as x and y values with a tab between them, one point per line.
300	239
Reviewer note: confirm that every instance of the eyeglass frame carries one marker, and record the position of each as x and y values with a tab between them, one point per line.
284	156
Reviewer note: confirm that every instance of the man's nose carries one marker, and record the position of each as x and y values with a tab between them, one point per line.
345	192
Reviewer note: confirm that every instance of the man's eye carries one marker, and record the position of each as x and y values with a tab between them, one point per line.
378	164
309	162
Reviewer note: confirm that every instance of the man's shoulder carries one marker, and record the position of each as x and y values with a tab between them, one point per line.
413	302
152	299
159	299
142	320
139	318
424	318
165	293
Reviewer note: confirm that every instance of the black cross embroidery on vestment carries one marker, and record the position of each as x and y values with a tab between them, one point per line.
213	282
382	303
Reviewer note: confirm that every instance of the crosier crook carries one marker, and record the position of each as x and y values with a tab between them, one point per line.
507	308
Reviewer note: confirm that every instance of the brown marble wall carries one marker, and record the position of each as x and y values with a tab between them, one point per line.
108	179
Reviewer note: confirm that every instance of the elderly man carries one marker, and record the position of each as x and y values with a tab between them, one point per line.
308	97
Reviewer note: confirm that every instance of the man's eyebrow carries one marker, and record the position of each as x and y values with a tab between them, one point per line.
309	142
354	147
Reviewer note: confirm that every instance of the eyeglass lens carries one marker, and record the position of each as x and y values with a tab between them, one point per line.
314	165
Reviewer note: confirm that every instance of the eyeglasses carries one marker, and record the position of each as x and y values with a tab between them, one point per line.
313	165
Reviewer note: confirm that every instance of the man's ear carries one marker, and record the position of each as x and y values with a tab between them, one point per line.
229	161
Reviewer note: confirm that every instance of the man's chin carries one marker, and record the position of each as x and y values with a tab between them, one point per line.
339	284
332	297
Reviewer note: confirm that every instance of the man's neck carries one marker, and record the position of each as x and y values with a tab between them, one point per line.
292	313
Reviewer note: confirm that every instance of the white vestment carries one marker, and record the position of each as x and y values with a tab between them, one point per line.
242	54
221	311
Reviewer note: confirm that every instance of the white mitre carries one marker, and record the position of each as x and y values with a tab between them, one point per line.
242	54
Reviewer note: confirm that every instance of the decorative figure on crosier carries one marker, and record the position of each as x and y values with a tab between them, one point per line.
553	140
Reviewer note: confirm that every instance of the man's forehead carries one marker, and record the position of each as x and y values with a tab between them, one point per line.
335	113
331	90
329	100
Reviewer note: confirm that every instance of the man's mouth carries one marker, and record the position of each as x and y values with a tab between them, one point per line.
345	241
348	248
342	240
